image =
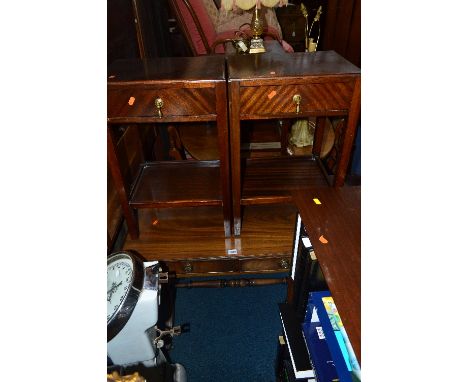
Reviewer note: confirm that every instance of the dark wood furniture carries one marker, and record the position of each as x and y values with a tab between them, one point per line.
186	90
293	26
265	86
337	220
130	152
191	242
122	39
342	29
340	26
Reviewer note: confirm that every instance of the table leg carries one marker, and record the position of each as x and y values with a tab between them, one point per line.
112	159
350	132
223	148
234	90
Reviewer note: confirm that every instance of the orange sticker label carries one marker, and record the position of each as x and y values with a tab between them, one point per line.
323	240
155	221
272	94
131	101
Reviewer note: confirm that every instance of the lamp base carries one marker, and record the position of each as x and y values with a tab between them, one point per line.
256	45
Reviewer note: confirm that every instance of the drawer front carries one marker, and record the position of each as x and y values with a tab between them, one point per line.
264	265
185	268
179	102
278	99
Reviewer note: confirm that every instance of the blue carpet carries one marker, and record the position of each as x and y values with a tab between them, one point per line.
233	333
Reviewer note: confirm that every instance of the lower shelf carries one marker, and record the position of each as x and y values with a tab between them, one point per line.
271	180
176	184
191	242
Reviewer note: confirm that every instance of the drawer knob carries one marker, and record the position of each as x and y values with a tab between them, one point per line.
159	104
284	264
188	267
297	100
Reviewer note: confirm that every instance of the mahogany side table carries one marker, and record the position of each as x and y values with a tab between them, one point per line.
164	91
287	86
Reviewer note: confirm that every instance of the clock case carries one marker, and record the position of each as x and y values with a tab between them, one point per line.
142	278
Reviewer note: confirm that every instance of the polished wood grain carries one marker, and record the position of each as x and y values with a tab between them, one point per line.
269	68
317	98
186	183
192	243
337	220
192	89
271	180
262	87
194	104
191	72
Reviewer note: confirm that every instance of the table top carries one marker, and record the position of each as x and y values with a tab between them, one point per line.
275	63
200	68
334	229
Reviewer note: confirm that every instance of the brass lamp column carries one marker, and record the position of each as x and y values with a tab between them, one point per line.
256	44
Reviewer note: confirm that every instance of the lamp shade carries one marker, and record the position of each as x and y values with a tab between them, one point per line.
248	4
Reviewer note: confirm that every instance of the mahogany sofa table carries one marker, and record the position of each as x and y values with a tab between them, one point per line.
287	86
334	229
164	91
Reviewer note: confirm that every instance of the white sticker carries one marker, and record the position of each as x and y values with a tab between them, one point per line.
242	46
232	252
306	242
320	333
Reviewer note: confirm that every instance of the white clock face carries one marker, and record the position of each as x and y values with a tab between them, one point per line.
119	281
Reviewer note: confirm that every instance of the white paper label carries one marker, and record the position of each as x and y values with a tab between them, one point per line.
306	242
320	333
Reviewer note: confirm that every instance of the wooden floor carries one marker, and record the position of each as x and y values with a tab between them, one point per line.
197	234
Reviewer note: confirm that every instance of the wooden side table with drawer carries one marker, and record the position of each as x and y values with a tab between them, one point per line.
288	86
164	91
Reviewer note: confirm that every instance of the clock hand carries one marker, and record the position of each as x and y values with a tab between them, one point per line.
114	287
112	290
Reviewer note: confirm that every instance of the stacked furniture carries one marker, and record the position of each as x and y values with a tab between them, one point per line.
202	217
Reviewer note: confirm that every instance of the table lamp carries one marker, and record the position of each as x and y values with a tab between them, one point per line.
256	43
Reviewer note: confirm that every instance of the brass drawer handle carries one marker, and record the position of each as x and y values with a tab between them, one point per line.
297	100
159	104
284	264
188	267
